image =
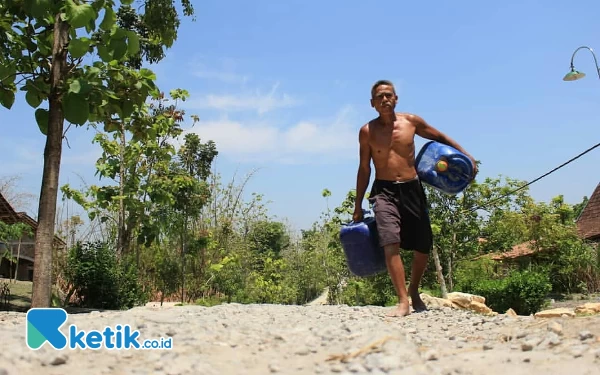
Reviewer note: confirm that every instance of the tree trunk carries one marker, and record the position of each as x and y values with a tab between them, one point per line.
202	262
12	273
73	233
68	297
17	260
440	274
44	236
121	229
183	245
451	257
449	274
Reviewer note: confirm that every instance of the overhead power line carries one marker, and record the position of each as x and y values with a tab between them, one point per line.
488	203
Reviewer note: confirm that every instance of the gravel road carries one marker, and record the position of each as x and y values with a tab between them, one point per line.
277	339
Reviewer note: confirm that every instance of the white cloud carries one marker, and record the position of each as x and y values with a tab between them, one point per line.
228	77
233	136
323	140
224	73
246	101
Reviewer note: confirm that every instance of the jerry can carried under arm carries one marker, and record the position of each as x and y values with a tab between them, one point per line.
444	168
361	246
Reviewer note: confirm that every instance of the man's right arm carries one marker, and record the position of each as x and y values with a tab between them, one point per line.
364	167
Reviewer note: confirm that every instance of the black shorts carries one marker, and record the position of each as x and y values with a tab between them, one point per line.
402	215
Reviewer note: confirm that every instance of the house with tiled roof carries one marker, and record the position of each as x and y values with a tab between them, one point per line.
588	222
22	249
521	250
588	228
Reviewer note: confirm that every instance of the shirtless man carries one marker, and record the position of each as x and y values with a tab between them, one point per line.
400	204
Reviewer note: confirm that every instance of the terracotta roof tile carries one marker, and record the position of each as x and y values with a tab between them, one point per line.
9	216
588	223
7	213
518	251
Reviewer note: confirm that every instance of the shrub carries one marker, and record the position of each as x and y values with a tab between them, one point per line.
376	290
470	273
523	291
575	267
100	280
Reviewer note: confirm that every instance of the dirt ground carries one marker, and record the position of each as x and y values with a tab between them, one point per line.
326	339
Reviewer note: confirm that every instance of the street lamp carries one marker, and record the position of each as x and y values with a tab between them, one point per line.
574	75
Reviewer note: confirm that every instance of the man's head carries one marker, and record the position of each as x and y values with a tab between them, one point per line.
383	96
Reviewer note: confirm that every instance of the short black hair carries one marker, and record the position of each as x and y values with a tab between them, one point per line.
382	82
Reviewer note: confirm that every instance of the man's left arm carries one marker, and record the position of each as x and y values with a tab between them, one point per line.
423	129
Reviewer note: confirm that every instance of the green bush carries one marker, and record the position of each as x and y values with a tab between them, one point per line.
376	290
470	273
100	280
575	267
523	291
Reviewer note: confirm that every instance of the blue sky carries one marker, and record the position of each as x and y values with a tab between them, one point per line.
284	87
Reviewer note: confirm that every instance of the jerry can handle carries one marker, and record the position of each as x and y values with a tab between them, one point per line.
366	213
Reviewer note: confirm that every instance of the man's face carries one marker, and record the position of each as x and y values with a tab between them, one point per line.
384	99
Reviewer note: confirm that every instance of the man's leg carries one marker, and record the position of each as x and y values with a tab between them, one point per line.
418	236
396	271
388	220
419	264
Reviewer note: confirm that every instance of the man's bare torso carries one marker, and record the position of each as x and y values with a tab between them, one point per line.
393	148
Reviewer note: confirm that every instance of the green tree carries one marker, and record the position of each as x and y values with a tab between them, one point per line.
268	237
578	208
191	168
141	167
43	45
160	191
460	221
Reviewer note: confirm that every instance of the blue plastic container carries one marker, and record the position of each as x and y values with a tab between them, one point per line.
361	246
452	175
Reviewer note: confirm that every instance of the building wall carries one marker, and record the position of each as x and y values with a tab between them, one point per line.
24	272
4	269
26	256
27	247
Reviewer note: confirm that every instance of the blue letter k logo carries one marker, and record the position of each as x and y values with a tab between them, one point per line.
44	325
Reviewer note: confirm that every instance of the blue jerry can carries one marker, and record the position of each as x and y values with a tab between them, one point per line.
361	246
444	168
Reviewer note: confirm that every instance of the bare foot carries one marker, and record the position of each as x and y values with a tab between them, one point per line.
417	303
402	309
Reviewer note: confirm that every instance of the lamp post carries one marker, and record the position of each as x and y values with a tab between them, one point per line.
574	75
